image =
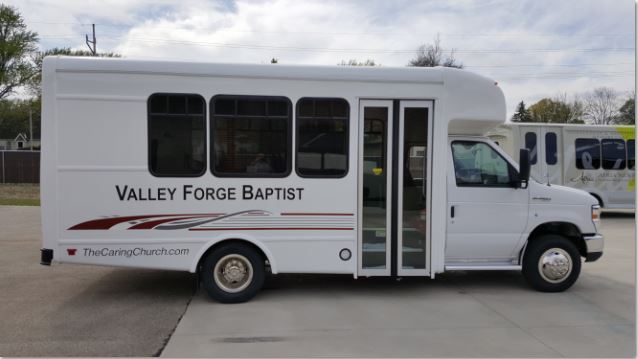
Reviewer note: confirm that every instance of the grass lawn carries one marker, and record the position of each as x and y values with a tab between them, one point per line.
25	194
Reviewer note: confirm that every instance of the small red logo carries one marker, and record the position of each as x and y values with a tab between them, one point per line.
71	251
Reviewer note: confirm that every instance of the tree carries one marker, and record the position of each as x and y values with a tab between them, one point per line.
17	46
601	106
522	114
627	112
556	110
355	62
14	117
430	55
35	83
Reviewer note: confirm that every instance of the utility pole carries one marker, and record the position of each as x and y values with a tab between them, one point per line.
88	42
30	127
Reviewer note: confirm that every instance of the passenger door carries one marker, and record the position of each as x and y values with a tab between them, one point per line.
393	187
486	214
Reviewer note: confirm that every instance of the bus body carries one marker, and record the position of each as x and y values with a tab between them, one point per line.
231	170
596	159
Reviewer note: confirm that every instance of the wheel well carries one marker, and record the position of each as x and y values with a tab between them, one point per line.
231	241
600	200
565	229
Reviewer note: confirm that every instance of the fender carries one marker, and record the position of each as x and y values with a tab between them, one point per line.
234	236
540	215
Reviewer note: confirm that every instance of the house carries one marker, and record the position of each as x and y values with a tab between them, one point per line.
20	142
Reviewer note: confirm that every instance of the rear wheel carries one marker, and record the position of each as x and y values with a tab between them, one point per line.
233	273
551	263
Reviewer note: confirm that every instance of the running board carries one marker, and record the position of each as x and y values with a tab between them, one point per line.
482	267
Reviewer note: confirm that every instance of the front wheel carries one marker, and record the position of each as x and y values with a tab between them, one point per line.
551	263
233	273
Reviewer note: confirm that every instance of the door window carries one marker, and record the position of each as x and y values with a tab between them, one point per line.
530	144
415	134
375	188
551	148
476	164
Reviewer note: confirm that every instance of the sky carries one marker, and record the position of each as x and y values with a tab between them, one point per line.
533	49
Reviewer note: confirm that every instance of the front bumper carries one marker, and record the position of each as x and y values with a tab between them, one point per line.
595	244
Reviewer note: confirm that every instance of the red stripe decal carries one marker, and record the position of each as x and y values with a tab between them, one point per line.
271	229
106	223
316	214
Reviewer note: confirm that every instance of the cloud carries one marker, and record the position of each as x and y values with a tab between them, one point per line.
529	47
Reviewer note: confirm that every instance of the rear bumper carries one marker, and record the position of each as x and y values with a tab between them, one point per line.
46	256
595	244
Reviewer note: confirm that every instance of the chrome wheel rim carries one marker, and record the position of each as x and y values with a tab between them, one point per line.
233	273
555	265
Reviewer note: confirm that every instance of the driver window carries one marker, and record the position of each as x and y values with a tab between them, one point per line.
478	164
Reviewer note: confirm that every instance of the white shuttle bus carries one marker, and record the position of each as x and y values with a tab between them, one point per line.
596	159
233	171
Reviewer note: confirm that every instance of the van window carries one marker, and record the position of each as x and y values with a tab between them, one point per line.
530	144
322	137
251	136
614	154
551	148
176	135
587	153
631	154
476	164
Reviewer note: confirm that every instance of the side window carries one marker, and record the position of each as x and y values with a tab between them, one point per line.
631	154
251	136
614	154
587	153
551	148
530	144
176	137
478	164
322	137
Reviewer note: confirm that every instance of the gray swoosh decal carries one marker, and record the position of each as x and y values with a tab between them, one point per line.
204	221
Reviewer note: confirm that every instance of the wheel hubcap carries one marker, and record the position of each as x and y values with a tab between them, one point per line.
555	265
233	273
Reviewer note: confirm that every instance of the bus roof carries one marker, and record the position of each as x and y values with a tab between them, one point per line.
472	104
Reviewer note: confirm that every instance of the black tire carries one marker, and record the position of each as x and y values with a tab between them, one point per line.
240	253
537	248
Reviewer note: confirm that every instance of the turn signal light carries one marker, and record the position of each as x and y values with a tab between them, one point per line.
595	213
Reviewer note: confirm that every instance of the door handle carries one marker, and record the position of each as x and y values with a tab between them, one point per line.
452	212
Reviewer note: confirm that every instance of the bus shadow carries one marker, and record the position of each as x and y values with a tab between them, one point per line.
618	214
343	284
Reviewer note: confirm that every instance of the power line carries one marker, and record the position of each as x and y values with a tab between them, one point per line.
560	77
369	51
565	75
332	33
548	65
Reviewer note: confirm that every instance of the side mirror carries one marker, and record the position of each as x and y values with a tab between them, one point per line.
524	168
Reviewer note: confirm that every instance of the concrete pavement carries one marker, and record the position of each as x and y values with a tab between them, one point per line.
73	310
491	314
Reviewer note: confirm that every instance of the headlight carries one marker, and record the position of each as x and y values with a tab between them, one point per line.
595	214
